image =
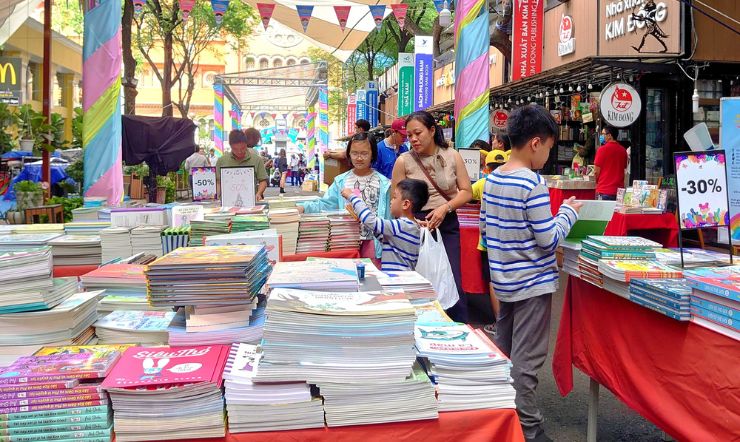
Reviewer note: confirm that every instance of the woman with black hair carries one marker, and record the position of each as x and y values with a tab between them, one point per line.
362	179
443	169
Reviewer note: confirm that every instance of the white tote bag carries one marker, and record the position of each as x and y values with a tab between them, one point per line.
434	265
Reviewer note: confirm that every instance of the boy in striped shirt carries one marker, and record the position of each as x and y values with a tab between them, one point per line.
400	236
521	236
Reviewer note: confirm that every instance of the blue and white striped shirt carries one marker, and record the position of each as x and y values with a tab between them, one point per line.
521	234
400	237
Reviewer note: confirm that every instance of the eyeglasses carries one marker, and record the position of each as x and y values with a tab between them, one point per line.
360	154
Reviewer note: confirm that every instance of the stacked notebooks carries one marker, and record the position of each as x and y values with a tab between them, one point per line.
201	229
22	241
248	223
124	285
313	233
76	250
715	299
345	232
595	248
286	222
147	239
115	243
334	275
134	327
671	297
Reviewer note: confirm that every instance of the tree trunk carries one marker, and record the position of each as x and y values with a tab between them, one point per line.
436	35
129	62
167	82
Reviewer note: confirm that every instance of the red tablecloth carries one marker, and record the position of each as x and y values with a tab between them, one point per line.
349	254
558	195
461	426
680	376
471	268
62	271
661	228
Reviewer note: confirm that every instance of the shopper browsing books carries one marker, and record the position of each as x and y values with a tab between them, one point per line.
521	236
611	160
401	235
373	188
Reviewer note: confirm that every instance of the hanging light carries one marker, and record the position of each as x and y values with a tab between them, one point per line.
445	16
561	89
578	89
547	93
509	99
570	88
555	91
590	86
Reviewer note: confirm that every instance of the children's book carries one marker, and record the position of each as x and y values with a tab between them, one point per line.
720	281
57	367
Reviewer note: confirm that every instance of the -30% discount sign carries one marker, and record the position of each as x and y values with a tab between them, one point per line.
702	189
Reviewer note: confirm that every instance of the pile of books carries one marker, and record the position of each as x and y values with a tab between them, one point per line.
595	248
286	222
76	250
147	239
313	233
124	285
469	370
356	347
26	278
85	214
201	229
715	299
247	331
174	238
115	243
56	395
671	297
416	287
26	295
266	406
134	327
20	241
91	228
248	223
469	215
345	232
335	275
642	198
618	273
168	393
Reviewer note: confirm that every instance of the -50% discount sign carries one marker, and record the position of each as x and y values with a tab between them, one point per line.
204	183
702	189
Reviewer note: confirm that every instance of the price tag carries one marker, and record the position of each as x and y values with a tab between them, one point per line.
204	183
471	158
702	189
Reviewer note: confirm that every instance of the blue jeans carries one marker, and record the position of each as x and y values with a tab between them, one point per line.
605	197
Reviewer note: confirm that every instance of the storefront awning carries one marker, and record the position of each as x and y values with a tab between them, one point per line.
323	29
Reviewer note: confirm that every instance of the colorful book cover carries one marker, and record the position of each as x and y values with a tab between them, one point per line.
127	272
103	423
676	288
19	402
129	320
715	317
671	313
308	272
624	241
720	281
661	299
453	339
57	367
156	366
74	349
77	390
82	435
243	362
63	420
339	303
67	413
209	255
716	304
57	406
38	387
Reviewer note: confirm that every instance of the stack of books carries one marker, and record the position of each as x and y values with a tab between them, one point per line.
76	250
20	241
715	299
418	289
469	215
249	331
91	228
248	223
345	232
469	370
671	297
174	238
26	295
356	347
595	248
313	233
124	285
85	214
337	275
22	229
25	276
692	257
618	273
268	238
134	327
147	239
56	395
115	243
286	222
168	393
201	229
266	406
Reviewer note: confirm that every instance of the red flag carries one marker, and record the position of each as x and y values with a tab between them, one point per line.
399	10
186	6
342	14
265	10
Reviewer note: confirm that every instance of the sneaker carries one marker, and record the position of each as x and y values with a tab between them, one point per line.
539	437
490	329
282	190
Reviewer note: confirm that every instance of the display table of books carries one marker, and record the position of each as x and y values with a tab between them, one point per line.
680	375
345	254
662	228
63	271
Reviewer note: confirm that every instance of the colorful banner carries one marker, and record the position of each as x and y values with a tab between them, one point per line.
235	117
138	6
351	114
323	126
405	83
185	7
311	136
218	118
101	102
471	73
342	14
371	102
526	38
702	189
423	82
439	4
219	9
304	13
399	11
377	11
729	140
265	11
361	108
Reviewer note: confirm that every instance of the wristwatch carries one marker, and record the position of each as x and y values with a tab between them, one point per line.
449	208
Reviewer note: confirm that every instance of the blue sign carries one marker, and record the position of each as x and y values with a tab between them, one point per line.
729	140
361	104
371	103
423	59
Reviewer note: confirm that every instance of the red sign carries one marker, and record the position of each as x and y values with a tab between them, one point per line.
351	114
499	117
265	10
526	38
342	14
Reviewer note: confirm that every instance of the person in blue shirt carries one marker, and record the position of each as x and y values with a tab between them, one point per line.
391	147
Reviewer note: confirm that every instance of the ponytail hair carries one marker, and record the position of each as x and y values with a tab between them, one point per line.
427	120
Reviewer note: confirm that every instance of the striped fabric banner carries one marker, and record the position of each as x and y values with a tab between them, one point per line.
101	101
311	136
471	72
234	114
218	118
323	126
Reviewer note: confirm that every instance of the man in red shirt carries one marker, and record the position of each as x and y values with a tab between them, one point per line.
611	160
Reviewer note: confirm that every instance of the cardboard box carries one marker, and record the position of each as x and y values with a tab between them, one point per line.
332	168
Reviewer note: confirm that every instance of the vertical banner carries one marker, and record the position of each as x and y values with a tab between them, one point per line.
342	13
526	38
265	11
423	58
378	12
471	72
304	14
729	140
351	113
218	117
361	108
323	126
311	135
185	7
101	102
371	102
405	83
219	9
399	11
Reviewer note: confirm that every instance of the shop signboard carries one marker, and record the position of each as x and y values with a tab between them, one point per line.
405	83
620	104
640	28
499	117
10	80
527	38
424	79
371	102
361	107
567	44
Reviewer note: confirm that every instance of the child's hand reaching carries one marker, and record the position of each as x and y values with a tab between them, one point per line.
346	193
575	205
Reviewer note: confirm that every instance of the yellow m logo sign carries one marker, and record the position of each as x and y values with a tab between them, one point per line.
4	69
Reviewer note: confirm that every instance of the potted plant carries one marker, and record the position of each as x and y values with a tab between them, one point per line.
8	118
51	134
30	125
28	194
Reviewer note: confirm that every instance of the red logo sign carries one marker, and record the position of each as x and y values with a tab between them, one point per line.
500	117
566	29
621	100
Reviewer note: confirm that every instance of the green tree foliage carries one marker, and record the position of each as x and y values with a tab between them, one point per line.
335	81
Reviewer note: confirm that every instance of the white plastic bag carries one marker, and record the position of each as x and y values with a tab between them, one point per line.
434	265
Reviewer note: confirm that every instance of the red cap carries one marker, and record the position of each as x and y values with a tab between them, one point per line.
399	125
